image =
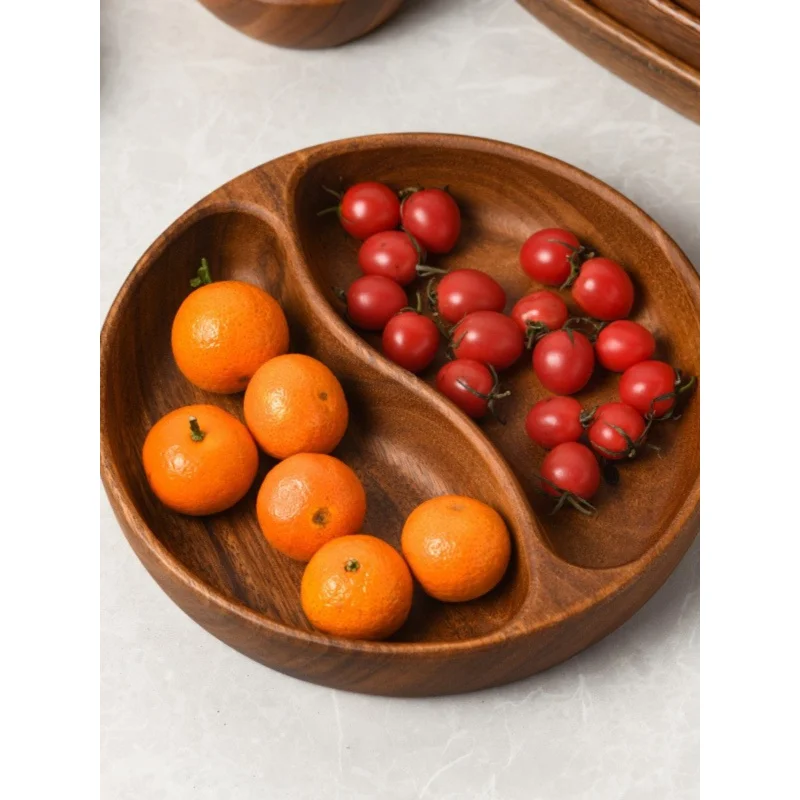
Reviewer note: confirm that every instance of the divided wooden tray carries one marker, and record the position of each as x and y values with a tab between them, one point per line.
572	579
632	56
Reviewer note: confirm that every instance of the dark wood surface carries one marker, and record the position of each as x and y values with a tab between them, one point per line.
662	22
690	5
304	23
630	56
572	579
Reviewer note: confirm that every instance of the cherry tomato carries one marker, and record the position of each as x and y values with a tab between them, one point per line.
466	290
433	218
616	431
642	383
391	254
539	313
563	361
549	256
603	289
369	208
571	467
554	421
470	385
410	340
373	300
488	337
622	344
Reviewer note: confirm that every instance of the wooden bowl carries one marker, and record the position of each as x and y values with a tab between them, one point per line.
572	579
662	22
304	24
633	57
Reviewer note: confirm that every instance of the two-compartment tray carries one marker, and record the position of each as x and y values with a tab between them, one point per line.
572	579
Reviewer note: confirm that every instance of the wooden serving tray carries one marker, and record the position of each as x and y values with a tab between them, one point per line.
572	580
633	57
662	22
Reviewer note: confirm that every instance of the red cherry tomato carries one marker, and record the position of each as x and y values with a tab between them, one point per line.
549	256
433	218
603	289
622	344
369	208
572	468
391	254
470	385
563	361
539	313
554	421
373	300
488	337
410	340
466	290
617	430
642	383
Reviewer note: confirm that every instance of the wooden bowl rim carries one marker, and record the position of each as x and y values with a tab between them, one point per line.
308	157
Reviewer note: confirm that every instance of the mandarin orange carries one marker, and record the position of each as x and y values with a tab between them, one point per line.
199	460
357	587
307	500
224	331
295	404
458	548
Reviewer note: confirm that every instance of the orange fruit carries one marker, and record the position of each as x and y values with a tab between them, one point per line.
224	331
357	587
458	548
307	500
294	404
199	460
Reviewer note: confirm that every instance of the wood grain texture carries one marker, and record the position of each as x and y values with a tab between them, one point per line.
692	6
572	580
304	24
662	22
630	56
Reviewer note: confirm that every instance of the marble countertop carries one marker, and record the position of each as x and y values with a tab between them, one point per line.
187	104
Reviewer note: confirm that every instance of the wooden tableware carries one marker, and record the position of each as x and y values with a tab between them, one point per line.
692	6
572	579
304	24
630	56
662	22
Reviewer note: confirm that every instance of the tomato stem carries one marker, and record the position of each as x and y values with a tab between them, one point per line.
433	305
564	497
194	427
533	332
682	385
337	195
493	395
203	275
575	323
576	260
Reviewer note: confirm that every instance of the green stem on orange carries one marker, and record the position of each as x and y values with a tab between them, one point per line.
351	565
196	434
203	275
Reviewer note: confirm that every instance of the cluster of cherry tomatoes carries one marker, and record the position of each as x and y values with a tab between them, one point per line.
564	361
467	308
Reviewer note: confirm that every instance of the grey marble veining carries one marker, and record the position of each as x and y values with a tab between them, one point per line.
187	104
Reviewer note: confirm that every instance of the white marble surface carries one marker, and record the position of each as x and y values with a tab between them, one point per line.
187	104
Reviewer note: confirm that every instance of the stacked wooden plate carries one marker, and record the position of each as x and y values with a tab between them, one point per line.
652	44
